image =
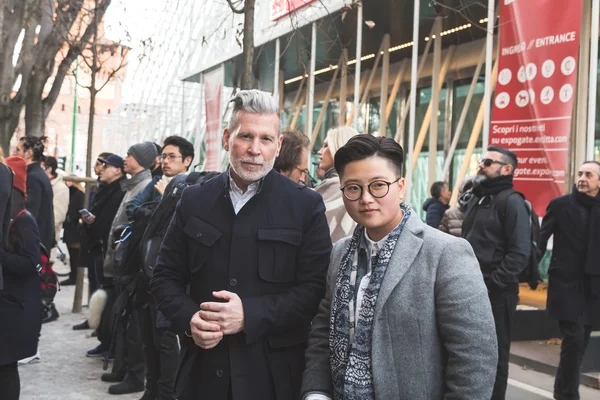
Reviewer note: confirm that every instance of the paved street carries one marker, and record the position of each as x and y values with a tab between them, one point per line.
68	375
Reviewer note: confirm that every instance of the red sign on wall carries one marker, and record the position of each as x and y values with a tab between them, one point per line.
533	103
281	8
213	86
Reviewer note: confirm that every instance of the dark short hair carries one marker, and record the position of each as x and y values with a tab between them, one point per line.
186	148
507	156
104	155
436	189
52	163
291	150
37	145
363	146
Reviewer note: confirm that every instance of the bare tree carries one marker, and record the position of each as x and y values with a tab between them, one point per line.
33	33
104	59
248	46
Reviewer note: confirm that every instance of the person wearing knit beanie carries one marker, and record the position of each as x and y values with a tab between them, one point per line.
19	167
144	153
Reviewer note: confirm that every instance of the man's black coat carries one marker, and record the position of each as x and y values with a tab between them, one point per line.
39	202
274	254
572	295
6	188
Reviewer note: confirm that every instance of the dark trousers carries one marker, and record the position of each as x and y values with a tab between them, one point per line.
73	260
576	337
161	352
104	331
504	305
10	384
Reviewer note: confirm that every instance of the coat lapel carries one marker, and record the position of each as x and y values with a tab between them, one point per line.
406	250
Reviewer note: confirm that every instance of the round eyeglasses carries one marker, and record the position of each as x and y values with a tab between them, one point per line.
377	189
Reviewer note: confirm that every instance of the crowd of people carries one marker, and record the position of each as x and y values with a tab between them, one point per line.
252	284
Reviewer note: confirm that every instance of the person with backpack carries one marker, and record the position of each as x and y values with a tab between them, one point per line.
161	350
574	273
502	244
20	299
128	368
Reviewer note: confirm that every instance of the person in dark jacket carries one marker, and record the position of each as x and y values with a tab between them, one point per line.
39	188
502	244
6	188
437	204
95	229
253	248
574	274
453	217
71	226
20	299
161	350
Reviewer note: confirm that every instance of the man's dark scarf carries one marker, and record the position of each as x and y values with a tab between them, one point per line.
493	186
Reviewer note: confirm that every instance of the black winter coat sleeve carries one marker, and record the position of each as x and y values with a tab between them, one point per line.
435	213
24	261
547	228
517	236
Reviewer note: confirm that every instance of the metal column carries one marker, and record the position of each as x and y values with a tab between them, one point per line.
435	101
593	82
413	100
489	43
311	83
276	72
359	23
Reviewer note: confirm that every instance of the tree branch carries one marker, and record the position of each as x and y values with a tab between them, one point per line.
74	51
235	10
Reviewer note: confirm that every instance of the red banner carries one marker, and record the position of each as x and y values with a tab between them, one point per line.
213	86
533	104
281	8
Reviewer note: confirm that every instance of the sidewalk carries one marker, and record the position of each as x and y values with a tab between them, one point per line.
65	372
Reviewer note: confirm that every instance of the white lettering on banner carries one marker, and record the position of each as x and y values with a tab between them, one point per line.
556	39
518	48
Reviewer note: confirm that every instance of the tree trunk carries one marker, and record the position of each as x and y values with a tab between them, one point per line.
90	137
248	50
34	105
7	129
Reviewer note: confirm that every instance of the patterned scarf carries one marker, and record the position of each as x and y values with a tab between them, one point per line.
351	364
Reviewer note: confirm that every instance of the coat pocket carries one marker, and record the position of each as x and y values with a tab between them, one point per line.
202	237
277	249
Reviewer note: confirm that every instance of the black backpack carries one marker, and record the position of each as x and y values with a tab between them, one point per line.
531	273
161	218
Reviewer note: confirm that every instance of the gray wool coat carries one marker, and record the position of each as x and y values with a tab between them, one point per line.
433	334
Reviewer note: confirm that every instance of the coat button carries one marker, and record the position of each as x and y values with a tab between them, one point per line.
198	235
233	282
219	373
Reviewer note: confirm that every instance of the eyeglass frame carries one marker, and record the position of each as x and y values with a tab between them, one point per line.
369	189
488	162
170	157
304	171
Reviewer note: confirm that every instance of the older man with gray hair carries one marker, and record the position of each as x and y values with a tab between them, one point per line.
253	248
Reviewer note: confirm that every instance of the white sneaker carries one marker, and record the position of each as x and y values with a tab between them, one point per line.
31	360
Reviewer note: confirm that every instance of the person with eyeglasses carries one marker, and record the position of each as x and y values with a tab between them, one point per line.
176	157
340	223
502	244
292	160
405	314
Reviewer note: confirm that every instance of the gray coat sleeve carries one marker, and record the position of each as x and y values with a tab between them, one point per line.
466	324
317	372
